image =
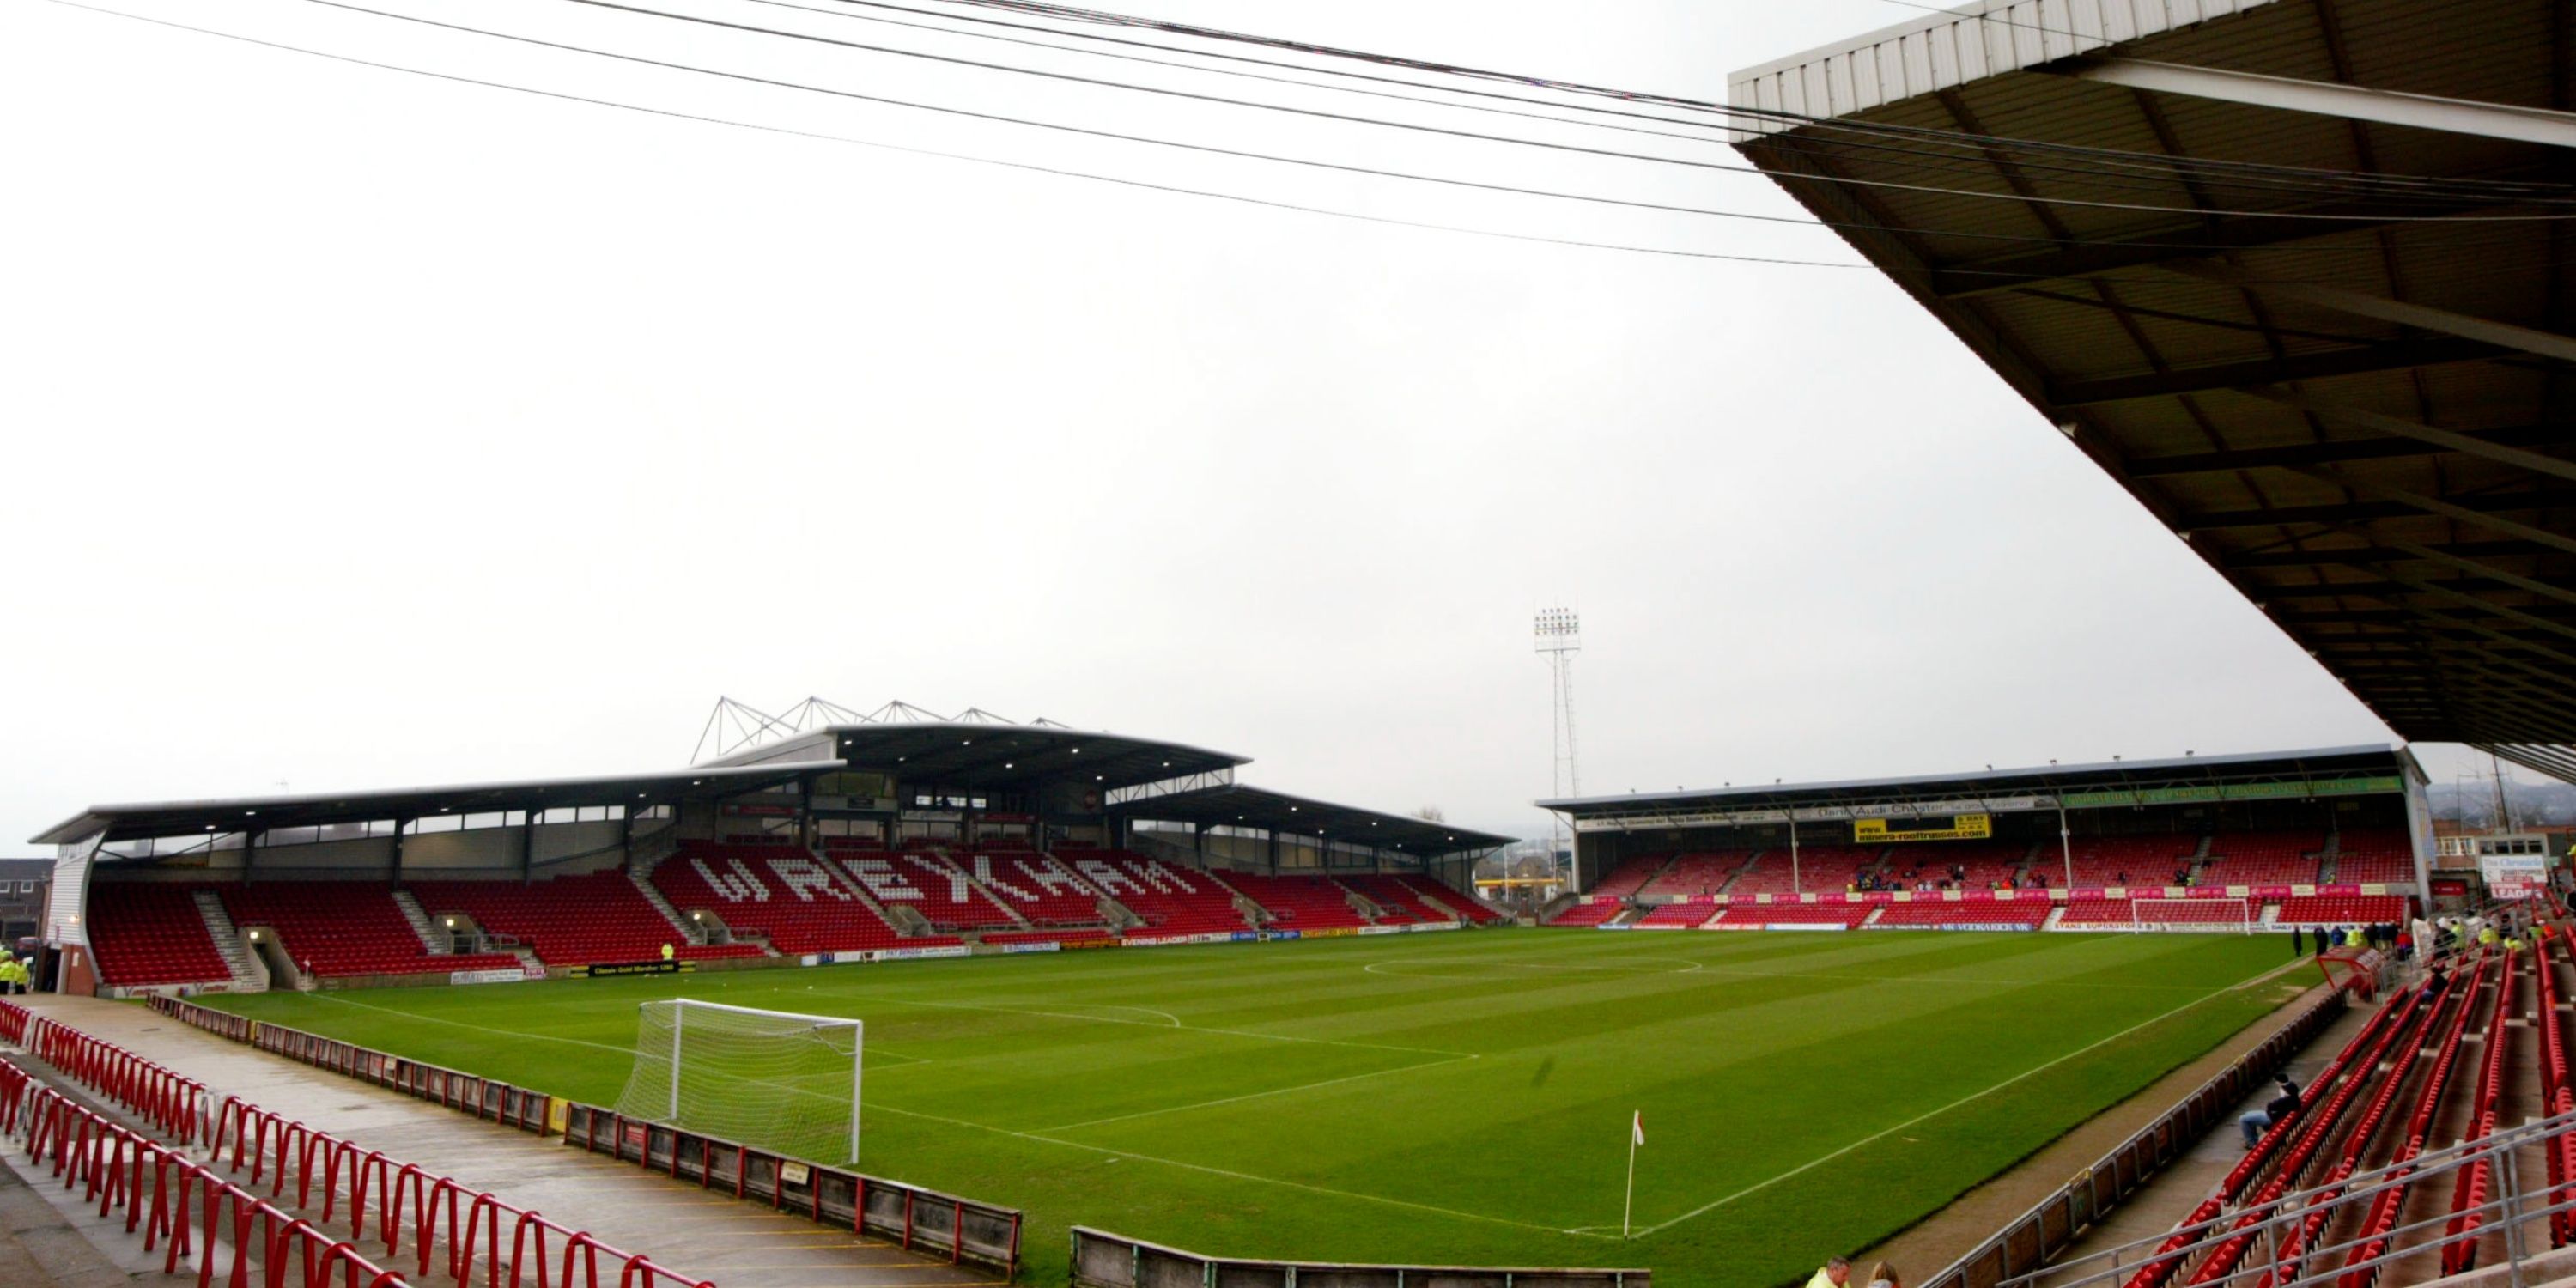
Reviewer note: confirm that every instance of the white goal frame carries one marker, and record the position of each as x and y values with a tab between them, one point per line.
2251	909
682	1007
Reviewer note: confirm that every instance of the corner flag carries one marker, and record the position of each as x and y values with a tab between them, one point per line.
1636	1137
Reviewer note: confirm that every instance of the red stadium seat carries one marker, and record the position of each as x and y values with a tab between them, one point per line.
571	921
151	933
1698	873
343	928
1169	899
1299	902
782	891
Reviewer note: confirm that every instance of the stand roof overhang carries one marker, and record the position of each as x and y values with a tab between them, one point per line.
2043	784
265	813
1237	805
2364	424
986	756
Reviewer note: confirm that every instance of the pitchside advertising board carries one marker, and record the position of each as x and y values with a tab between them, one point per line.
2514	876
1954	827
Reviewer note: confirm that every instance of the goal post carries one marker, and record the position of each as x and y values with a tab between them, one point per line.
776	1080
2216	916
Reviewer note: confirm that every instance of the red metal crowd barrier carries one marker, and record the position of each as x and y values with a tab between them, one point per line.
919	1219
86	1149
437	1212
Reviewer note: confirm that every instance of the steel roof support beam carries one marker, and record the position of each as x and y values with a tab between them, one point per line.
2461	513
2396	355
2400	427
2459	554
2325	98
2398	506
2380	308
2331	453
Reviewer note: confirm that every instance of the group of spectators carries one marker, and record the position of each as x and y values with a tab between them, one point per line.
2385	936
1955	879
1837	1274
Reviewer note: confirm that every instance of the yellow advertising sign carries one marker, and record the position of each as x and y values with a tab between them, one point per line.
1962	827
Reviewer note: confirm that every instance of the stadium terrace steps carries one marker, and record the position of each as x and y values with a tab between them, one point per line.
641	879
419	919
247	976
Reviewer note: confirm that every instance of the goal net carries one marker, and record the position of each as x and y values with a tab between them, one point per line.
771	1079
2216	916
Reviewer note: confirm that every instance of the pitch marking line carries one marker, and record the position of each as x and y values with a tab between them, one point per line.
1230	1174
1256	1095
1875	1137
1185	1028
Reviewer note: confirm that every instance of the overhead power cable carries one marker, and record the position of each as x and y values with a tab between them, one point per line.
1475	135
1060	172
1959	154
1067	13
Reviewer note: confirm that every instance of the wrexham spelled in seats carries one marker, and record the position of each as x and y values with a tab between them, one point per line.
939	890
1044	889
1170	900
780	891
342	928
151	933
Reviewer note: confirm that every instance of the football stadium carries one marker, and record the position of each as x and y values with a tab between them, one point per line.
894	997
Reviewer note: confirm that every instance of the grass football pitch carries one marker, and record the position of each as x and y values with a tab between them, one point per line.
1453	1099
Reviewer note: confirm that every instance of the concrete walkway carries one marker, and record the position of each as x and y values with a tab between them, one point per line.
736	1244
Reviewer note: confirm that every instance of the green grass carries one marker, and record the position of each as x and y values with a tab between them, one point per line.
1458	1098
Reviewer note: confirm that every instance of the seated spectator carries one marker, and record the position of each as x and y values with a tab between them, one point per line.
1835	1273
2280	1109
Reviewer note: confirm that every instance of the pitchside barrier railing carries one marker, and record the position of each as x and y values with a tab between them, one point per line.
2029	1240
453	1226
921	1220
1103	1260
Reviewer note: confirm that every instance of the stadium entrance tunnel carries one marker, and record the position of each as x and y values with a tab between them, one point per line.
270	955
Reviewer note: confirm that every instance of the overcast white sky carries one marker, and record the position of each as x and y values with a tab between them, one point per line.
365	429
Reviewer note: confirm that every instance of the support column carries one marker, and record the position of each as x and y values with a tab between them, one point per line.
1795	887
2066	846
528	847
250	851
396	875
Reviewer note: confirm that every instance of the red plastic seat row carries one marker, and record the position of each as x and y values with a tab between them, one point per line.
1796	914
1704	873
1629	877
345	928
1398	896
1983	912
1464	904
1591	913
783	892
571	920
1681	915
1299	902
1171	900
151	933
1819	869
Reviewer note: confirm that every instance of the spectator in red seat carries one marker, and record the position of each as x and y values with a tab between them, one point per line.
2279	1110
1835	1274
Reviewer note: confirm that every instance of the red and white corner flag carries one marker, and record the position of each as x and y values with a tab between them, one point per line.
1637	1129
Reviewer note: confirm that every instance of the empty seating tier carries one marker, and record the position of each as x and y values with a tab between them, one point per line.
1822	869
1299	903
341	928
2130	860
2263	858
1047	936
1705	873
1631	876
1169	899
1983	912
2342	910
1680	915
2214	913
942	892
1595	913
1797	914
1402	902
1464	904
151	933
570	921
2375	856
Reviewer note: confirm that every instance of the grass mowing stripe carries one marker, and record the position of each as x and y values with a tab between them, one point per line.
1256	1095
1971	1097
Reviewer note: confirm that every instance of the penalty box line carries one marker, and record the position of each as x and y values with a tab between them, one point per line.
1874	1137
1256	1095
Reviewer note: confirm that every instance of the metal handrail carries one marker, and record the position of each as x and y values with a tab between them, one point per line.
2360	1187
